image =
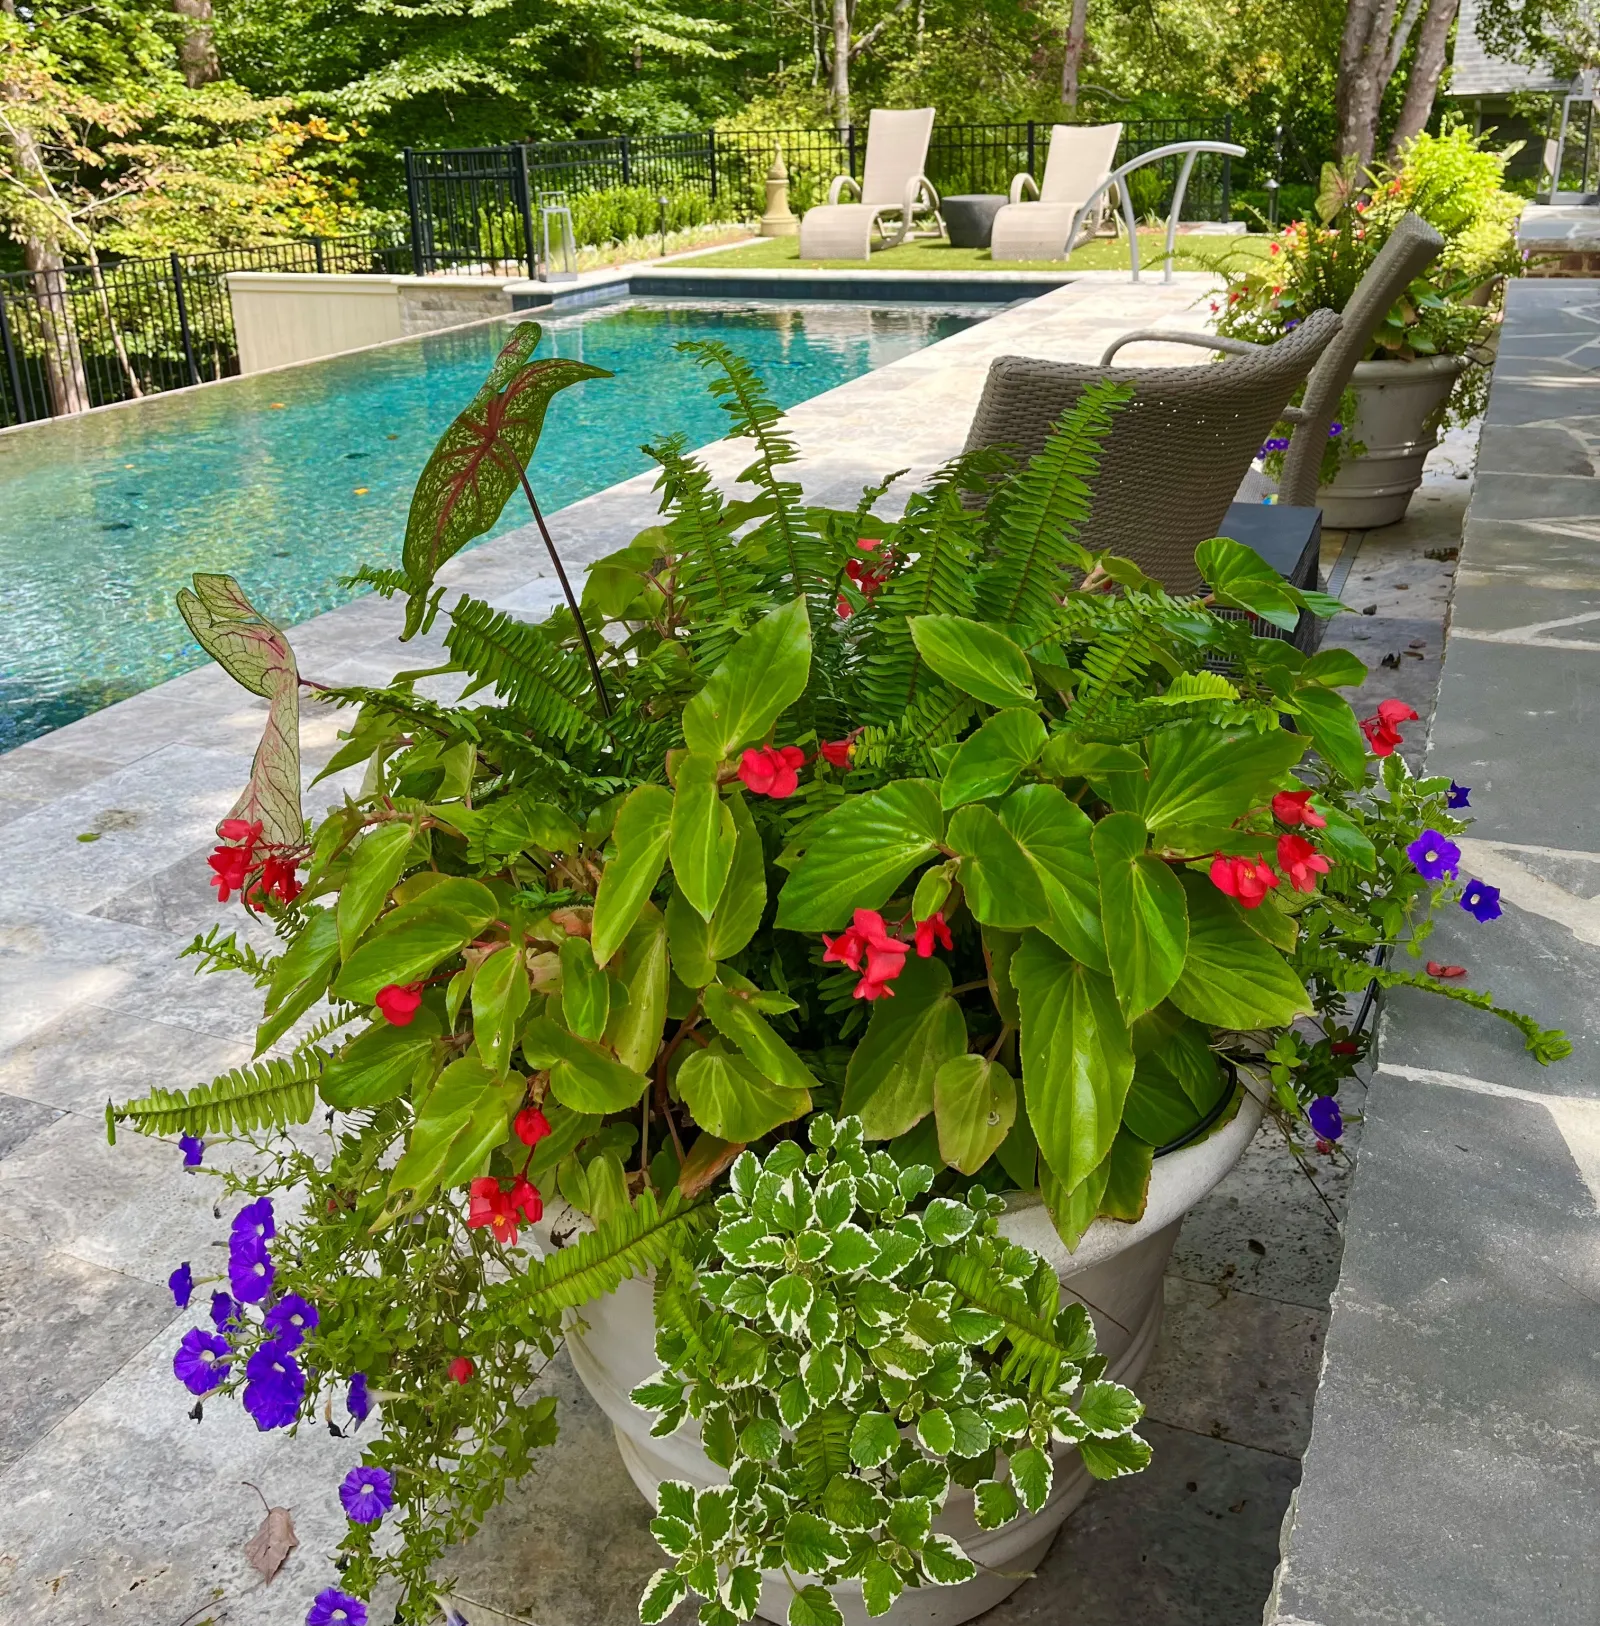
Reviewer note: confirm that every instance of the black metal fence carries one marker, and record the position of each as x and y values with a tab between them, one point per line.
479	207
85	336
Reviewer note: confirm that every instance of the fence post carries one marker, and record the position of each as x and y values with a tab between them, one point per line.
1227	171
627	175
850	140
1275	179
711	158
525	206
419	267
1031	169
183	317
12	370
316	244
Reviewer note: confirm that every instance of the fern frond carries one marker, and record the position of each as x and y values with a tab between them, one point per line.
340	1016
629	1244
545	684
385	583
264	1094
1034	518
1033	1328
226	953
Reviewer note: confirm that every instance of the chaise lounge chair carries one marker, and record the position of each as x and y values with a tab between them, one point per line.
1079	161
892	183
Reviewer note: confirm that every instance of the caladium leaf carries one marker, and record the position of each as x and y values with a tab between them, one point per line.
479	460
257	656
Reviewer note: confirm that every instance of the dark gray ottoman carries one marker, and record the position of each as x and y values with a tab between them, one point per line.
969	217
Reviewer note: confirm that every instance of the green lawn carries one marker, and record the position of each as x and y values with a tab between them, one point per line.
1193	253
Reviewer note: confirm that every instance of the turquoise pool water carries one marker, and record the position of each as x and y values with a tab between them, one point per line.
289	480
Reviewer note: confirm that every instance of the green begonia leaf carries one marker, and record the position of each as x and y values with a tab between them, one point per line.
976	659
641	832
582	1076
989	760
382	1064
738	1022
300	977
1242	580
1232	978
500	993
689	941
461	1120
1204	775
974	1104
634	1027
760	678
374	872
1002	885
1334	730
407	954
1077	1058
702	834
585	990
860	853
890	1077
744	899
731	1099
1142	909
1056	834
1127	1177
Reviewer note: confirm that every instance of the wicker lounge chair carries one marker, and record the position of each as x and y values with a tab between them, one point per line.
1176	452
1412	246
892	184
1080	158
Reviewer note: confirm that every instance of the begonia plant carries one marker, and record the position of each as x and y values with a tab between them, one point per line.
980	866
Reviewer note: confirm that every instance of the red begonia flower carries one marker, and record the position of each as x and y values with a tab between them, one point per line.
868	939
1381	729
524	1199
1437	970
842	608
930	931
1294	807
495	1208
246	830
1246	879
1345	1047
1301	862
837	751
772	770
232	861
461	1369
277	879
845	949
399	1004
530	1126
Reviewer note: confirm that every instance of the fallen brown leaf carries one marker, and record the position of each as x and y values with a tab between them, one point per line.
272	1543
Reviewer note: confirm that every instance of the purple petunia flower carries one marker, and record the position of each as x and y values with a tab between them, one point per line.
1481	900
201	1362
336	1608
181	1281
257	1218
1459	795
193	1149
223	1311
360	1403
1435	856
1326	1118
250	1267
1335	430
367	1494
274	1388
1290	323
289	1320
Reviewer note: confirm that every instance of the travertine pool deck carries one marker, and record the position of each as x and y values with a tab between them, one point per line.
115	1507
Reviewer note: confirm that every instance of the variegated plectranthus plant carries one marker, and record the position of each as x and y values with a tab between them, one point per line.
935	825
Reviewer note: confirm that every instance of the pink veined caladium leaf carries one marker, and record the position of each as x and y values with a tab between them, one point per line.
479	460
257	656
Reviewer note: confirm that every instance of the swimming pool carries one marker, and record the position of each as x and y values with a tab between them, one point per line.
289	480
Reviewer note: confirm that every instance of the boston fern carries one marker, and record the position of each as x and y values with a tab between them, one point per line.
851	1360
984	860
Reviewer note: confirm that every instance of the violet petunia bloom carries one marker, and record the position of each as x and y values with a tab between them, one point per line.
289	1320
1459	795
223	1311
201	1362
366	1495
360	1402
335	1608
1326	1118
1481	901
181	1281
257	1219
275	1387
1435	856
193	1149
250	1267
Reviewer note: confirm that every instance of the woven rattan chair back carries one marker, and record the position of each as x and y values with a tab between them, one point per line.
1176	451
1413	245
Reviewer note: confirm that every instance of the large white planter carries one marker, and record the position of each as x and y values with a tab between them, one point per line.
1395	406
1116	1273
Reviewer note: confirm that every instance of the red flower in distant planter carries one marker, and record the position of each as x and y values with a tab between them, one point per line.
1246	879
1345	1047
1382	730
1294	807
530	1126
772	770
461	1369
399	1004
1301	862
932	931
867	947
837	752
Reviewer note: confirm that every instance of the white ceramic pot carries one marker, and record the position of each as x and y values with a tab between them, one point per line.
1116	1273
1397	404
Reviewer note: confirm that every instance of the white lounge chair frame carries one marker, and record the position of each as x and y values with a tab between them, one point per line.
1080	157
843	231
1190	151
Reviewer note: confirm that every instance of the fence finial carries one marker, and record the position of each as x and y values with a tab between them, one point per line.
779	220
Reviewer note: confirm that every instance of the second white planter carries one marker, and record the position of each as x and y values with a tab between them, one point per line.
1396	404
1116	1273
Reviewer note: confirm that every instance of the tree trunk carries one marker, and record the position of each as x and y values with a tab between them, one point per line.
1072	63
839	89
197	50
1427	67
64	372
